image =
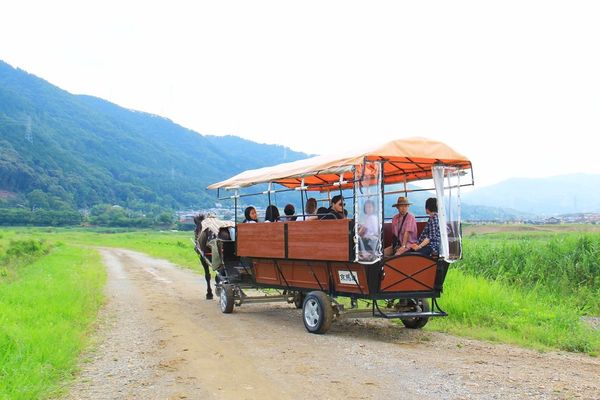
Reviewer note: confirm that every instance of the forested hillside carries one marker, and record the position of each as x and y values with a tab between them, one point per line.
64	151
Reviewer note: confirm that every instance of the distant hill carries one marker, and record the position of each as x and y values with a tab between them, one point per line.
469	212
575	193
62	150
65	151
472	212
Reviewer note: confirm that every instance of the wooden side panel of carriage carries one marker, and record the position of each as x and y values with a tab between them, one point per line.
349	285
319	240
261	240
408	273
281	251
297	273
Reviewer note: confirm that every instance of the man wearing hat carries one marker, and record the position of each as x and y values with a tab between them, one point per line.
404	229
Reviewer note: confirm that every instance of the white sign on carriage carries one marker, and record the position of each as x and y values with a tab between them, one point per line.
348	277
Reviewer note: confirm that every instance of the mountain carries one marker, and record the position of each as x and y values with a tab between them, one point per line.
59	150
574	193
64	151
469	212
472	212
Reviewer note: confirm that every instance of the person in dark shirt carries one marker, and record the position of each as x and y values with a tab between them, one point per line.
429	241
336	210
289	212
322	212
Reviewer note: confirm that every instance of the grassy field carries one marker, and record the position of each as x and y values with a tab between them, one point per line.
49	298
171	245
528	287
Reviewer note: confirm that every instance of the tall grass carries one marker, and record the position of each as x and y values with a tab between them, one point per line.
527	288
566	265
45	316
18	253
497	311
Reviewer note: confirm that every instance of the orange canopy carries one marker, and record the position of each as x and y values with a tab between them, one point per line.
405	160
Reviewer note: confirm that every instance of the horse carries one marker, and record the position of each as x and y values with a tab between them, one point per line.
214	229
201	239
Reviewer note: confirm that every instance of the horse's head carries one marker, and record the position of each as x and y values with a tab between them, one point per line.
198	221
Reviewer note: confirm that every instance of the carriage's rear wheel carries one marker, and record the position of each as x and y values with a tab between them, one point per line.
317	312
421	305
226	299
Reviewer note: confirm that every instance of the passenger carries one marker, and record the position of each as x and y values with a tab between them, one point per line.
322	212
250	214
429	241
370	223
336	211
404	229
368	230
289	212
310	210
272	214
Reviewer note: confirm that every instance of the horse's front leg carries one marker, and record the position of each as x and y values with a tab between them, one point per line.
209	293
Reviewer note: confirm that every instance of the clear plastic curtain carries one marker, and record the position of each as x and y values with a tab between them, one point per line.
368	213
438	180
447	188
453	214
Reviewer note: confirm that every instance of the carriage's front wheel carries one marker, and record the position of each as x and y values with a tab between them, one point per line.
226	299
317	312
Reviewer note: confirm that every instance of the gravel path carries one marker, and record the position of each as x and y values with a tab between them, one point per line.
159	339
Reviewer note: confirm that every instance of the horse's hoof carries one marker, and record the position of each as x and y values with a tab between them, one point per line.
209	296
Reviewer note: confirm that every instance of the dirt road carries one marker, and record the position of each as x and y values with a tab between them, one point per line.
160	339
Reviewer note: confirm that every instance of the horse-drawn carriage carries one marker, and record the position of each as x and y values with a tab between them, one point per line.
313	263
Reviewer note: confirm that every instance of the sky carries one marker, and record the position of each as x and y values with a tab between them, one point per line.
513	85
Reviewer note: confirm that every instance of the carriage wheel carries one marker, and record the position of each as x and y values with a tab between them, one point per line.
226	299
299	300
317	312
422	305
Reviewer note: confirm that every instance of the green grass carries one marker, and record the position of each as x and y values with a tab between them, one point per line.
46	312
565	265
494	311
526	288
170	245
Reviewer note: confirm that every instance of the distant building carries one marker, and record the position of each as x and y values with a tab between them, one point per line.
186	218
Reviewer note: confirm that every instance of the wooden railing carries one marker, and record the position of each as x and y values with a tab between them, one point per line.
328	240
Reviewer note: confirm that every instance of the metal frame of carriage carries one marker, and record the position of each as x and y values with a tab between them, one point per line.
312	263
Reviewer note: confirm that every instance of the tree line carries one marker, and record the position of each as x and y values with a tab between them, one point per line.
101	215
